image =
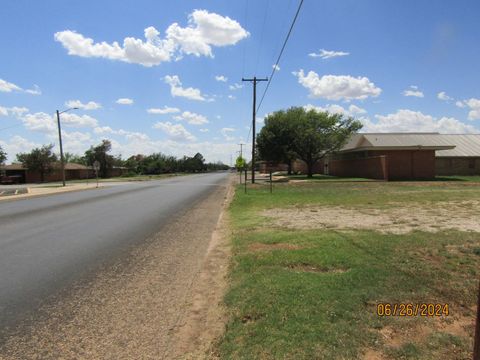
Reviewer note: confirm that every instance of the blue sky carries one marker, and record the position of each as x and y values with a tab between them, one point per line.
166	76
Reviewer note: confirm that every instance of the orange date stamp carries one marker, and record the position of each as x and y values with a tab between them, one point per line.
411	309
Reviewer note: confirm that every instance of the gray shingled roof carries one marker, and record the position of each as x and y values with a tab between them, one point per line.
465	145
397	141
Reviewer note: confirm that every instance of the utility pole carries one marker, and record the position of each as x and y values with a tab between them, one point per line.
241	149
62	160
254	80
476	345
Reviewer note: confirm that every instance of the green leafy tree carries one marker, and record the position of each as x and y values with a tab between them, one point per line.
307	135
101	154
39	159
276	139
240	163
3	156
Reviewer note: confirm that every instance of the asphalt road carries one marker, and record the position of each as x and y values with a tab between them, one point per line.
47	243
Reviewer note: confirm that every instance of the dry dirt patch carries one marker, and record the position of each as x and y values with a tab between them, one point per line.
397	219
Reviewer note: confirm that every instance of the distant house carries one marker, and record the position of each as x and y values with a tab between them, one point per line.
73	171
464	159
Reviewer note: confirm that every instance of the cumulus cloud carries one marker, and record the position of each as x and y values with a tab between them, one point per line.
474	105
221	78
413	91
226	131
13	111
91	105
124	101
460	104
165	110
175	131
235	86
46	123
442	95
176	89
204	130
405	120
74	120
15	145
192	118
6	86
327	54
203	31
352	110
276	67
231	97
337	87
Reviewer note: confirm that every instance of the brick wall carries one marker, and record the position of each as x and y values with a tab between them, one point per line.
374	167
457	165
409	164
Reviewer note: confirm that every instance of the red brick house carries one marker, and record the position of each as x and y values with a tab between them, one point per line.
73	171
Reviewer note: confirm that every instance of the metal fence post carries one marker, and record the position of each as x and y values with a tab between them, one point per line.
245	180
271	183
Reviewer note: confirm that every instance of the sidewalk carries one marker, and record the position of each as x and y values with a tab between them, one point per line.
45	190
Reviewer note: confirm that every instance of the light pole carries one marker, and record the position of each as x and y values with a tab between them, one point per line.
62	160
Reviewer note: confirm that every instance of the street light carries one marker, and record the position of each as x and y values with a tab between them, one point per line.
62	160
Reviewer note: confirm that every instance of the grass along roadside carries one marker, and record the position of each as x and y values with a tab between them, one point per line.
310	292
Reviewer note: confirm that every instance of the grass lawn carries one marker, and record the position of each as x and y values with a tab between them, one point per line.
312	261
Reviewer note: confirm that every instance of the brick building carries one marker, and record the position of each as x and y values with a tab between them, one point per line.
464	159
73	171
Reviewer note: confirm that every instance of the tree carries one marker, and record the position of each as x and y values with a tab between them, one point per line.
39	159
100	153
307	135
275	140
240	163
3	156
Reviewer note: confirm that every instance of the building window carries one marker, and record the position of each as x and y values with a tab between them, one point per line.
471	163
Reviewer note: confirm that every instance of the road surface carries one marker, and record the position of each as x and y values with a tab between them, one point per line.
48	243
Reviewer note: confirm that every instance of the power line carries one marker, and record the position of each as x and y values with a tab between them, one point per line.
280	55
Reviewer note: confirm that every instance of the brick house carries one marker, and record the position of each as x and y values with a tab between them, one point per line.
73	171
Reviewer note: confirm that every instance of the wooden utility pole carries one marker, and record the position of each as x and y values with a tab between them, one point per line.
254	80
241	149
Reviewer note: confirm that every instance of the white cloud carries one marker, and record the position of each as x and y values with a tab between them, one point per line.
337	109
337	87
442	95
203	31
204	130
176	89
43	122
165	110
327	54
413	91
16	145
6	86
13	111
91	105
192	118
460	104
124	101
103	130
231	97
39	121
74	120
474	105
410	121
235	86
35	91
175	131
225	132
221	78
276	67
